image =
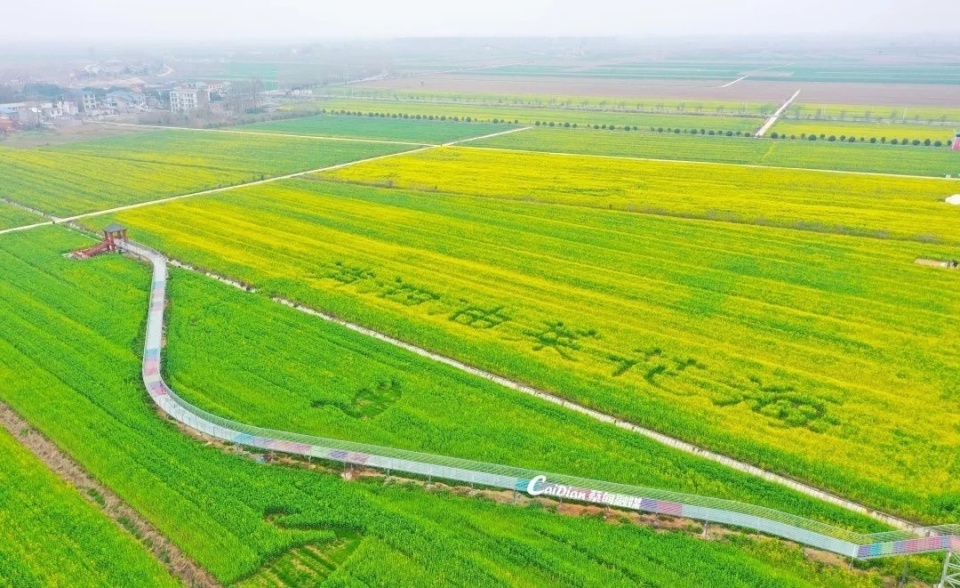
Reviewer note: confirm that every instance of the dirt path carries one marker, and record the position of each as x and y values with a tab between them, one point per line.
491	135
773	119
594	414
623	424
166	552
25	227
227	188
728	84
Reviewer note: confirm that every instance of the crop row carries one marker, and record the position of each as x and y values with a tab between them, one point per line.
528	116
370	125
598	103
59	333
51	536
11	216
824	155
717	333
881	206
321	379
82	177
915	115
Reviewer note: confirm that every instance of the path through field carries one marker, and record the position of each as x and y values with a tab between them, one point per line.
172	558
491	135
777	523
773	119
728	84
664	439
595	414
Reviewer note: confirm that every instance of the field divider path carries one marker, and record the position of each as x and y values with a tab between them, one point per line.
490	136
228	188
728	84
420	147
267	134
535	483
115	508
776	115
661	438
606	418
27	227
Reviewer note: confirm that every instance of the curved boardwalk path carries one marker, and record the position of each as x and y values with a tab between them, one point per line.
535	483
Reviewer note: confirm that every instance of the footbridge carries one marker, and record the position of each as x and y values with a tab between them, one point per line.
944	538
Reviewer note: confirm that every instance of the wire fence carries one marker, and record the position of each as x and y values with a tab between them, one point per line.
532	482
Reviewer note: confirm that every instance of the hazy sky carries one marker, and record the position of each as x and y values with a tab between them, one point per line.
124	20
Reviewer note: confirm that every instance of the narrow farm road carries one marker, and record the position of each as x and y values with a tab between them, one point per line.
227	188
773	119
26	227
491	135
728	84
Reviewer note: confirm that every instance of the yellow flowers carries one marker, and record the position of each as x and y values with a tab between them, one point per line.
820	201
800	350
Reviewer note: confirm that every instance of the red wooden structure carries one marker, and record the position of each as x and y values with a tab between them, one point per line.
112	235
956	142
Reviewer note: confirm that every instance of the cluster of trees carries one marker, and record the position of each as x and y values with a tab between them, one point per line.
853	139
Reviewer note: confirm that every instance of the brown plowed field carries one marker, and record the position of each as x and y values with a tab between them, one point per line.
745	91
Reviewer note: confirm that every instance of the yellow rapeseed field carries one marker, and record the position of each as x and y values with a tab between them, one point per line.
829	358
825	201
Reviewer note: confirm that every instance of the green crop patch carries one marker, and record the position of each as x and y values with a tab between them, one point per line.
11	216
564	118
93	175
49	535
690	145
380	127
245	521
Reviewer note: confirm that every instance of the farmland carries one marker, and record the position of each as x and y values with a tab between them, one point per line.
86	176
11	216
390	129
808	71
248	522
905	208
346	386
826	155
710	331
876	113
485	311
866	131
559	116
581	102
62	540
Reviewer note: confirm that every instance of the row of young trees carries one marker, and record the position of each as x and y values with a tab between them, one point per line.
416	116
677	131
853	139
